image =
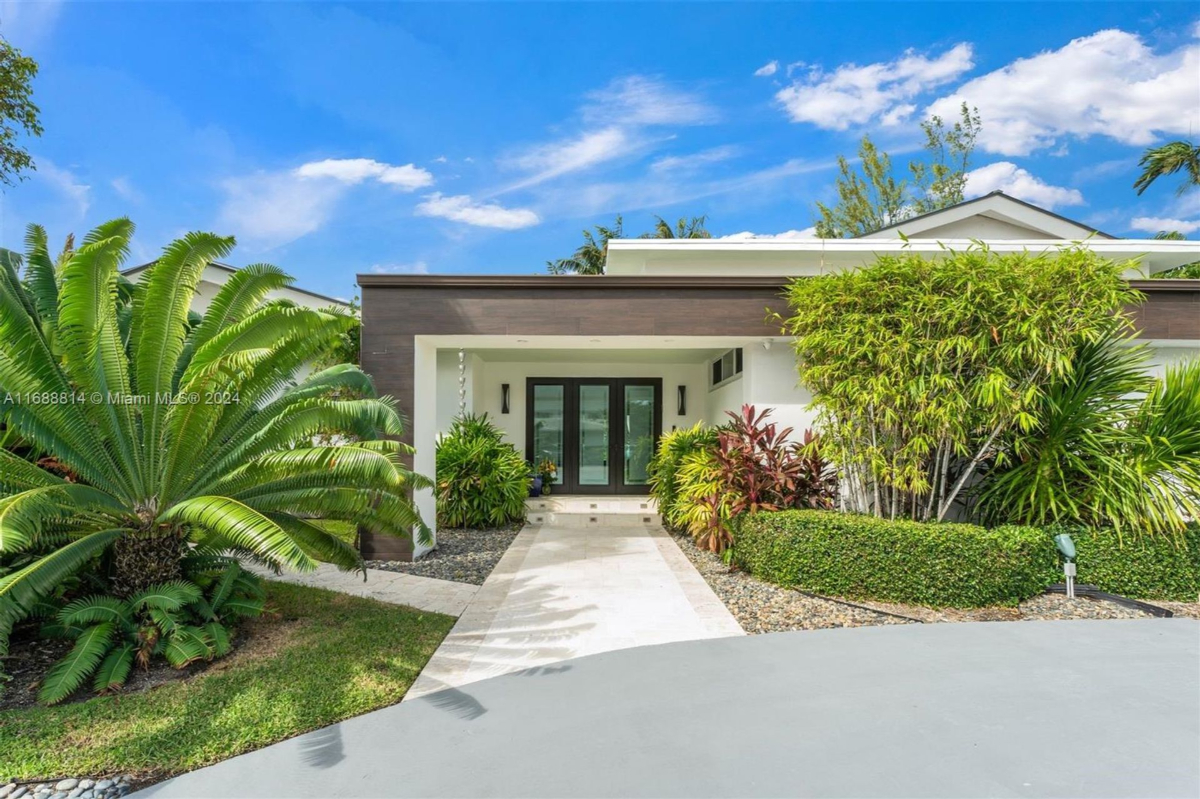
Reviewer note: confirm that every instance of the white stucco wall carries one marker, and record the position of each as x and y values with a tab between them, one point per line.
1164	355
774	384
728	396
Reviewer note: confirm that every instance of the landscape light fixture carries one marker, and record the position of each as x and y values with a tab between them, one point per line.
1067	547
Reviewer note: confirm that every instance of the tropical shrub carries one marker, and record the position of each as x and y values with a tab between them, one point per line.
919	366
757	468
1142	566
1111	447
704	478
176	620
141	436
858	556
482	481
664	467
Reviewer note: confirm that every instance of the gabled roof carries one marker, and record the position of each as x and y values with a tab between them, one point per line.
997	207
232	269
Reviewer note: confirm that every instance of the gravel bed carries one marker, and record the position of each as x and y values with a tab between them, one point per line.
762	607
765	608
462	556
67	788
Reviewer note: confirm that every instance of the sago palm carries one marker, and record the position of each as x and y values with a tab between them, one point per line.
164	436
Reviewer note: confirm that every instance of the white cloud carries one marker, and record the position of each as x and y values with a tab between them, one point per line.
855	95
1153	224
461	208
787	235
1015	181
1109	84
273	208
269	209
1011	179
678	163
767	70
26	23
125	190
659	191
65	183
414	268
547	161
638	100
353	171
441	159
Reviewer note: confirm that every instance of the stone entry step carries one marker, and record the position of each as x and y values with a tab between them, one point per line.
594	519
567	503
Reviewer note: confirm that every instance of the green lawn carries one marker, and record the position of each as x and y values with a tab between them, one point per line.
323	658
347	531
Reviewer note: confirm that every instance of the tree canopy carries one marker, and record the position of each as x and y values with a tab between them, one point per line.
589	258
17	111
871	197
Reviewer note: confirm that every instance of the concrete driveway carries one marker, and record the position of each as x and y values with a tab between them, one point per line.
1082	708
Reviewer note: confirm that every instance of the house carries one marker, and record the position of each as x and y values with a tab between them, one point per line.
216	274
588	371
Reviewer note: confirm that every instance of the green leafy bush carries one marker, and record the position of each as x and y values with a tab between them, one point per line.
665	479
918	365
1141	566
1113	446
704	478
954	565
482	481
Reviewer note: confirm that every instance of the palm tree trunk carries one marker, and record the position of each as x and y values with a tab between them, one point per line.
149	558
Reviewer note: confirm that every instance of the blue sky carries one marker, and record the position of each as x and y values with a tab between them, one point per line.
456	138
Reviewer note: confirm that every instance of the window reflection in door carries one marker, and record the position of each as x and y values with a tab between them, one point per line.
548	418
639	404
593	434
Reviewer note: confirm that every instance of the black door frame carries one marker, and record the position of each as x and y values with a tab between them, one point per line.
616	434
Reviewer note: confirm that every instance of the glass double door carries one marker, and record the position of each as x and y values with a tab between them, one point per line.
599	432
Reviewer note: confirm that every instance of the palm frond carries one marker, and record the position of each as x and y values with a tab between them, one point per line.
23	515
41	279
65	677
94	609
241	525
319	544
160	326
114	670
166	596
24	587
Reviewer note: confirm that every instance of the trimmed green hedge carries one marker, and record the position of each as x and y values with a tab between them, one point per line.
949	565
1141	566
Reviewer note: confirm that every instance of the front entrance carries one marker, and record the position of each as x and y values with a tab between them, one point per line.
600	432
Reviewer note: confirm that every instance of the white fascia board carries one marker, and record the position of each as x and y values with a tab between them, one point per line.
700	256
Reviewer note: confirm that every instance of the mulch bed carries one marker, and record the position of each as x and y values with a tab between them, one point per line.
30	657
762	607
462	556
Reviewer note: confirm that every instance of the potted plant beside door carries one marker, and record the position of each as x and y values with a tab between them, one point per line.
547	470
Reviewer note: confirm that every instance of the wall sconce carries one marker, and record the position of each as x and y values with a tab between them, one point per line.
504	398
681	400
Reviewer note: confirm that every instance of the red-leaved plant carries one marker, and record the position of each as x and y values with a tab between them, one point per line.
761	469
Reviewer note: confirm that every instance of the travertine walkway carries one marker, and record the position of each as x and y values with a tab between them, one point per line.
423	593
576	585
